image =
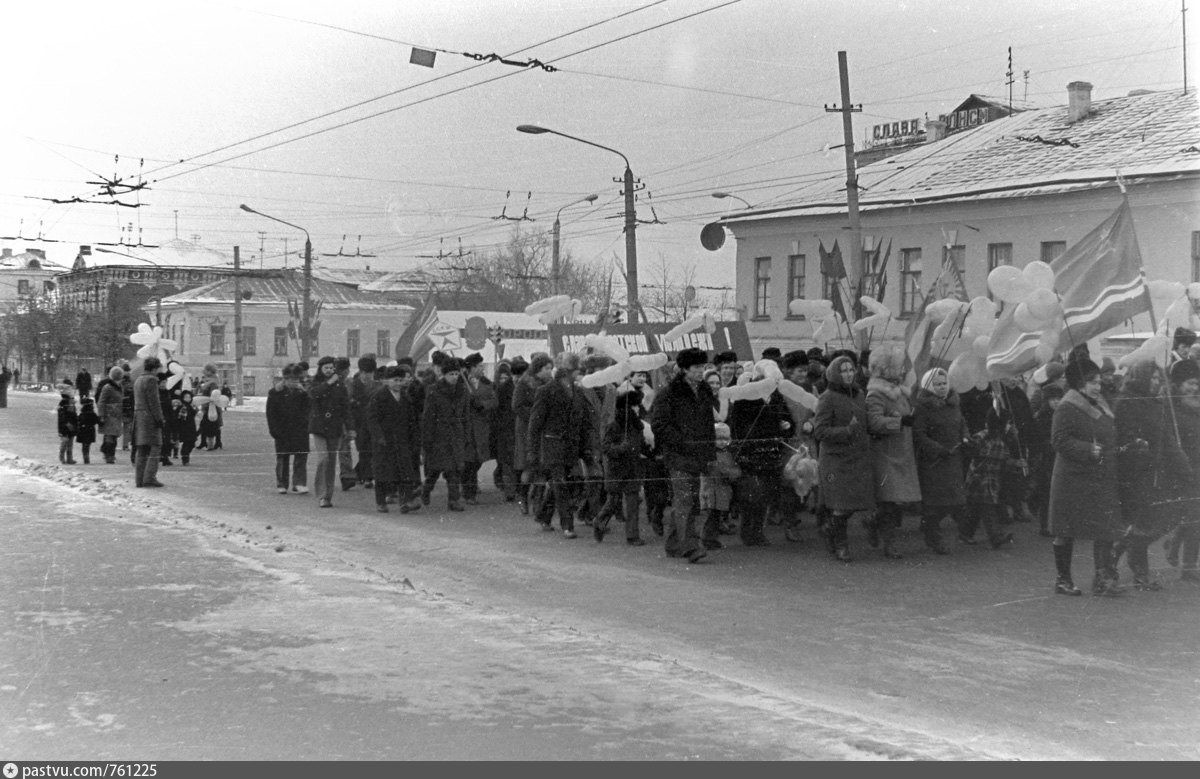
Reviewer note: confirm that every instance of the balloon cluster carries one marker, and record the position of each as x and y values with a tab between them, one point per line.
215	402
152	343
1031	290
625	363
827	323
177	377
555	309
1179	300
971	322
880	314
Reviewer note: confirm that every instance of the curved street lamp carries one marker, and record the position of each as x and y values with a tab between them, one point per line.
554	263
631	277
723	195
306	305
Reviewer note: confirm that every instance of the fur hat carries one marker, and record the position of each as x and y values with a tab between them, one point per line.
151	364
450	364
396	371
795	359
472	359
833	374
438	357
1183	337
1080	372
887	362
772	353
341	364
724	357
565	363
1184	370
367	363
689	357
326	360
115	373
519	365
539	361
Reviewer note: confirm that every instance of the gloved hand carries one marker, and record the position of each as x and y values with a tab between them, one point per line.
906	420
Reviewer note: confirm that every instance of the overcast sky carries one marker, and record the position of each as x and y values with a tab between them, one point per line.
700	95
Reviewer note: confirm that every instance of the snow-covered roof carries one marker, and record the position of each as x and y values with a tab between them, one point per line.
176	253
273	288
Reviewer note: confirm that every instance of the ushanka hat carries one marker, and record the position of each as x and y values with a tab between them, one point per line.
690	357
1184	370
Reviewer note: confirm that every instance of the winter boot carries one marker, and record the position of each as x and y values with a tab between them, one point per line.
888	535
931	530
1062	564
872	526
1104	582
841	543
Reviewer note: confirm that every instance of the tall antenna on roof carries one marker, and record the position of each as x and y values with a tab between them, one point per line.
1010	80
1183	15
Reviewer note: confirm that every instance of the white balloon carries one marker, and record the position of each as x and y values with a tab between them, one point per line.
1050	337
647	362
546	304
683	328
1044	354
1179	313
768	369
613	374
980	345
752	390
1166	290
1043	304
1007	283
1027	322
798	394
1156	348
606	345
875	307
941	310
814	309
1038	275
1193	290
867	322
961	374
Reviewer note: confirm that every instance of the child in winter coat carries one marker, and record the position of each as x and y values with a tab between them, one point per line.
88	420
184	428
716	486
68	427
992	450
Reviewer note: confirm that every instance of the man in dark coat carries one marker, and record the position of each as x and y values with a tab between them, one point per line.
287	422
479	424
444	432
347	473
529	479
560	432
682	423
362	387
394	433
328	417
5	377
148	422
504	430
83	382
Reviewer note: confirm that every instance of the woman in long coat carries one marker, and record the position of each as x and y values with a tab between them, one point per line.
844	462
758	429
539	372
1152	470
939	432
148	421
110	410
395	431
1084	503
504	431
444	432
560	433
893	460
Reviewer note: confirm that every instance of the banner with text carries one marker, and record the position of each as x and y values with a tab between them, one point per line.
646	338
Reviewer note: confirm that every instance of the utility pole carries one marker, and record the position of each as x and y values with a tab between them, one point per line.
262	247
237	325
857	265
1183	18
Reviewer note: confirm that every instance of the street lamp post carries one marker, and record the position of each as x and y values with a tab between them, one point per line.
723	195
554	262
631	277
306	304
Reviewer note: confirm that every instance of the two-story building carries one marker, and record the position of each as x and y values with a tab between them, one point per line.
1020	188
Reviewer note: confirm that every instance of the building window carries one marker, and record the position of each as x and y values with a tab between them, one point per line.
796	271
998	254
23	286
351	343
762	286
281	342
249	341
910	281
1052	250
216	339
383	344
1196	256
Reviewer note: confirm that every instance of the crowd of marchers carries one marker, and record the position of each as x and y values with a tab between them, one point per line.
1086	451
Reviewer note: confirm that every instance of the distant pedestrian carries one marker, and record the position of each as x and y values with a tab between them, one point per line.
840	427
109	408
559	428
147	425
328	416
394	433
287	424
185	426
5	377
83	383
444	433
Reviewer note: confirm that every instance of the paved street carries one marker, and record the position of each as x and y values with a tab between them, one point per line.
216	619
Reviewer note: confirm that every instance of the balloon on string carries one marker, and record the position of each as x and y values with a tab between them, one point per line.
547	304
1043	304
981	318
710	323
647	362
1161	289
980	345
215	402
961	373
1178	314
941	310
1038	275
1008	284
1156	348
152	343
1193	290
1027	322
178	377
768	369
797	394
693	322
1043	353
874	306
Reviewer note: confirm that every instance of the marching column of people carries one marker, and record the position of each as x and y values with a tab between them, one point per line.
1112	459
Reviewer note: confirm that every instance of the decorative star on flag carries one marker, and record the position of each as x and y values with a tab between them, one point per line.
152	342
445	336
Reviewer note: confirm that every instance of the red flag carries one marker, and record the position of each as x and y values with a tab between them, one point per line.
1100	278
415	341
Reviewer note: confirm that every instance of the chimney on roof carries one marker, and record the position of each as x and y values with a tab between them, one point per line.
6	252
935	130
85	250
1079	101
39	253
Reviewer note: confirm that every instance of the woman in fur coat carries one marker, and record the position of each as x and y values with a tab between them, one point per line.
844	463
893	459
